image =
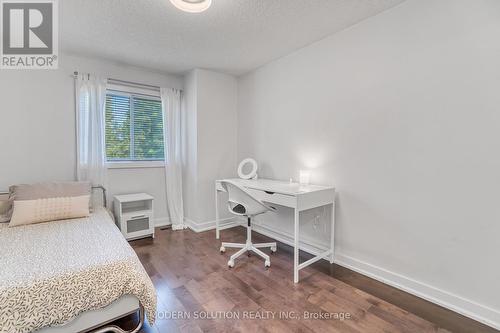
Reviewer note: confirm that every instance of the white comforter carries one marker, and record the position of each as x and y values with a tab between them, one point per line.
51	272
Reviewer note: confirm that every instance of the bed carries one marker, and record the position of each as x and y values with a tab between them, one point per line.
70	276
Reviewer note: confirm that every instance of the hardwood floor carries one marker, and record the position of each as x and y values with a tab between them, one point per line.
192	279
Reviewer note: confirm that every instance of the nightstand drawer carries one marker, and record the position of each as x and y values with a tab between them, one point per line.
141	223
138	225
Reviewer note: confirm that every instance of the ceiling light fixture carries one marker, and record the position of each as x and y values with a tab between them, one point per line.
192	6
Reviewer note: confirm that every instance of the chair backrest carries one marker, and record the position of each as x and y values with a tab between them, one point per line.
242	203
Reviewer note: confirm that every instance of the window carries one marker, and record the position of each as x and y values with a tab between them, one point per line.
134	127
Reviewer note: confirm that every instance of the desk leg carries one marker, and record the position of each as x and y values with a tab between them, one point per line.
296	247
332	234
217	232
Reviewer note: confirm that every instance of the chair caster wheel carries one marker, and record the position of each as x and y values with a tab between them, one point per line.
267	264
273	250
230	264
249	254
222	250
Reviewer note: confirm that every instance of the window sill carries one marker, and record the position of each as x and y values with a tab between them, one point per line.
135	165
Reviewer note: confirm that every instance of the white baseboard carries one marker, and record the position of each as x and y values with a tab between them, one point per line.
306	244
162	221
456	303
205	226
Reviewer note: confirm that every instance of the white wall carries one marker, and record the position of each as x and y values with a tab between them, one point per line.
217	139
210	139
190	146
401	114
37	127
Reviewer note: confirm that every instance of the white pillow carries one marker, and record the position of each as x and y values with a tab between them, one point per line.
49	209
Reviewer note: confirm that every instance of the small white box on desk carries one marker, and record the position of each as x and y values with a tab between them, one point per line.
134	215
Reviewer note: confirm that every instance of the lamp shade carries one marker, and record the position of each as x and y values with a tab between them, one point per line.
305	177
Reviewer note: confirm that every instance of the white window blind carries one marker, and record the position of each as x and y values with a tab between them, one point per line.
134	127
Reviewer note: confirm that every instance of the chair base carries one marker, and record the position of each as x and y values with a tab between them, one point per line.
249	246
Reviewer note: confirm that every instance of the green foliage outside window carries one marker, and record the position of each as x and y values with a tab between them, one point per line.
134	128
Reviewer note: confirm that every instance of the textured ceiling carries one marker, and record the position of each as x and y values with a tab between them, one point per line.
233	36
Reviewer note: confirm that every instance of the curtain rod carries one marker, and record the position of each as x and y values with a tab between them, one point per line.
127	83
133	84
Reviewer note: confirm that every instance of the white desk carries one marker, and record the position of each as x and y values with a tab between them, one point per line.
293	195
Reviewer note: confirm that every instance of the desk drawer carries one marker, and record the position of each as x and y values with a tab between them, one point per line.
276	198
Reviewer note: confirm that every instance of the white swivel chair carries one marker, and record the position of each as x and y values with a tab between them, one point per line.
242	203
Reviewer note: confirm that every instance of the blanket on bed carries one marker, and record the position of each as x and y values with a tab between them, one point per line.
51	272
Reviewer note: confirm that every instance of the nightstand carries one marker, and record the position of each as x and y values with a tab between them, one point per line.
134	215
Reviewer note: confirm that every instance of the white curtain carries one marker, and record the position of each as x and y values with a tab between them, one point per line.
90	93
171	103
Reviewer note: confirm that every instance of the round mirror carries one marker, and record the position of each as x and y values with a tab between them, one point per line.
247	169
